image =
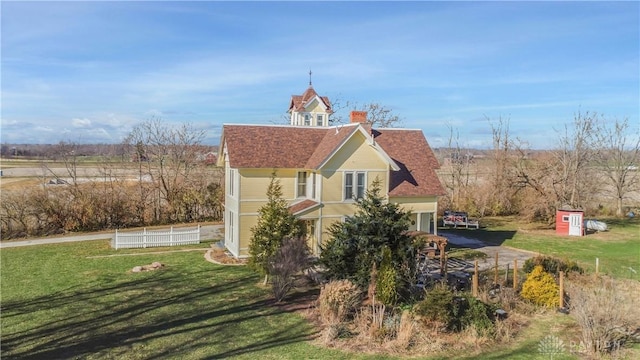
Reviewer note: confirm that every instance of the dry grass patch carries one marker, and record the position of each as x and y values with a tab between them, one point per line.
222	256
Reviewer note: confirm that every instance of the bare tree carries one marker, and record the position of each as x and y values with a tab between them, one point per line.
379	115
456	169
573	184
501	182
533	183
617	156
169	156
562	176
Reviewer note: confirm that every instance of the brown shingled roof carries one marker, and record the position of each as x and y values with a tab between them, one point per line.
256	146
304	205
268	146
410	150
331	141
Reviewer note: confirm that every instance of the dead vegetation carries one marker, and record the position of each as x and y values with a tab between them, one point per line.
606	311
350	322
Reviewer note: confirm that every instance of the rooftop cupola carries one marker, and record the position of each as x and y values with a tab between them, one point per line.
310	109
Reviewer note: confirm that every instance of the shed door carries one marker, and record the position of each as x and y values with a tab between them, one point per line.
575	224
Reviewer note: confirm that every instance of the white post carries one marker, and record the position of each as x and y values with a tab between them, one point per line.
171	237
597	266
144	237
116	239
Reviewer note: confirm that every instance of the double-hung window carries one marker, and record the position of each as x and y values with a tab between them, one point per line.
232	176
354	185
319	120
307	119
313	186
302	184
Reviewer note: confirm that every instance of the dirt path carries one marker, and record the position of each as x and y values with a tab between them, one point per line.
506	255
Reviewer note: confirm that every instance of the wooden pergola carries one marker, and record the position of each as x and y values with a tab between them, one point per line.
432	243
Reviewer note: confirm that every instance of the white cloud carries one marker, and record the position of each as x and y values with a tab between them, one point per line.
81	123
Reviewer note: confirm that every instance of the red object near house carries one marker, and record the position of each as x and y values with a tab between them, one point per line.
570	222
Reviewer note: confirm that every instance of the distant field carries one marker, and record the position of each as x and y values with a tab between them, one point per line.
17	173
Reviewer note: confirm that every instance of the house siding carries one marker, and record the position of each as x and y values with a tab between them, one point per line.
424	210
246	223
358	154
425	204
255	182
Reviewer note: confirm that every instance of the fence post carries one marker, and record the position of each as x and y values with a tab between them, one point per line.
561	289
515	274
495	274
446	266
171	237
597	266
116	240
474	289
506	276
144	237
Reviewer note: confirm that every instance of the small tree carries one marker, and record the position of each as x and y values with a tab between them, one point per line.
357	244
275	223
291	258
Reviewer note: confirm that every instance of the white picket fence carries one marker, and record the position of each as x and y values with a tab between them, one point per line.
155	238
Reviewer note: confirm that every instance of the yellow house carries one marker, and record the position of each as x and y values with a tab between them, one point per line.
322	170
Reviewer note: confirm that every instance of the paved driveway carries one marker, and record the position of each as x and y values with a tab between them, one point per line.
207	232
506	255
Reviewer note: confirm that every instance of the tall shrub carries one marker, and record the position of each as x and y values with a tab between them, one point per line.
275	223
357	244
291	258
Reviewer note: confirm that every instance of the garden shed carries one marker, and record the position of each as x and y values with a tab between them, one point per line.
570	222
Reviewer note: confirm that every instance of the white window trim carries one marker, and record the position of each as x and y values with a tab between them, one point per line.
319	119
354	190
306	184
232	180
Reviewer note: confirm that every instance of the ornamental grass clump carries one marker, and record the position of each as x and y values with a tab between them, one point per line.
337	300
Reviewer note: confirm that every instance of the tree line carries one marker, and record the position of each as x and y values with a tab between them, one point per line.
593	167
164	177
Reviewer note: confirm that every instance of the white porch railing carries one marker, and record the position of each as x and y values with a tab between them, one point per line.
155	238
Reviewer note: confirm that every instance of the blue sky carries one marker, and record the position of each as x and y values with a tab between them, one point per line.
89	71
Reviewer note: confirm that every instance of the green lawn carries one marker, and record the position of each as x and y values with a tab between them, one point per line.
58	303
618	249
69	301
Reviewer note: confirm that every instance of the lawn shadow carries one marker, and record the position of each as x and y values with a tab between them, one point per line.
133	315
489	237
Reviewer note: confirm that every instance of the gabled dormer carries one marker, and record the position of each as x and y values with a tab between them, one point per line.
310	109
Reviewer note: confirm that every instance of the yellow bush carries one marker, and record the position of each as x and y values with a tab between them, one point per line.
540	288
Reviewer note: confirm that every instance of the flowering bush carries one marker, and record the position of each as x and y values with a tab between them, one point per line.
540	288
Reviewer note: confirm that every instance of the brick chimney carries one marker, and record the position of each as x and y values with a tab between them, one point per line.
358	117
